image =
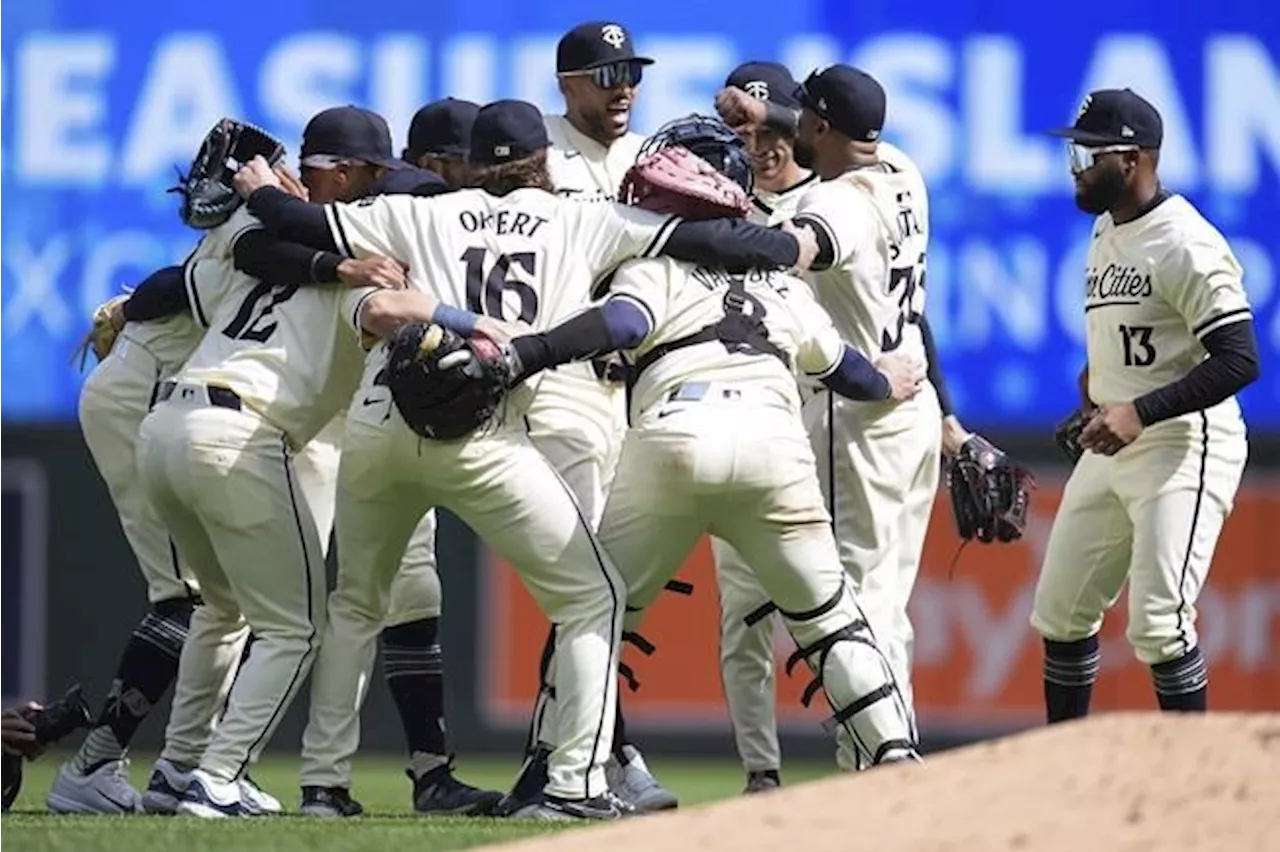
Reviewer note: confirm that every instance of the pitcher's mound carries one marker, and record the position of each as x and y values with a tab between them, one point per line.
1131	781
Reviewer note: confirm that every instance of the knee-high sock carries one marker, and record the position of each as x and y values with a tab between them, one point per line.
414	669
1070	670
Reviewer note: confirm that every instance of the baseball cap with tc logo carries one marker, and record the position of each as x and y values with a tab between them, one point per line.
766	81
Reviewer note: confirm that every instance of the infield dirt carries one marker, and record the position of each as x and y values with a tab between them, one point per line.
1126	781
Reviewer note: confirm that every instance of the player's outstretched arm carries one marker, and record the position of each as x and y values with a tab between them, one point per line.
161	294
736	245
892	377
291	219
617	324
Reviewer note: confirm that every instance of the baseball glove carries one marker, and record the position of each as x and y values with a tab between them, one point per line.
108	320
444	385
678	182
1067	435
990	493
208	198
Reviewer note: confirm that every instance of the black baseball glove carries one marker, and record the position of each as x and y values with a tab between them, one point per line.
1067	435
990	493
208	198
444	385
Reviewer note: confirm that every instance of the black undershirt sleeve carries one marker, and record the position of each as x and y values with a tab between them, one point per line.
273	260
780	119
1232	364
292	219
161	294
584	336
936	378
735	245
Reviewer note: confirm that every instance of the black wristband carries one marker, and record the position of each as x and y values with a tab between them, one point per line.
324	267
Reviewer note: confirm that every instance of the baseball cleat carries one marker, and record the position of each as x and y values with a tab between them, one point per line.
105	790
633	783
439	792
762	781
527	789
209	797
167	786
603	807
258	799
329	803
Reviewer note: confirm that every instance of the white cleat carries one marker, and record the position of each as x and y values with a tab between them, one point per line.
213	798
167	786
105	790
258	799
634	783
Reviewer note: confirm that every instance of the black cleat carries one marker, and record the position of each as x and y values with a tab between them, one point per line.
527	789
762	781
438	792
329	802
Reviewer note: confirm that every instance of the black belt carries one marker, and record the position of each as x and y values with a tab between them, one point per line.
218	396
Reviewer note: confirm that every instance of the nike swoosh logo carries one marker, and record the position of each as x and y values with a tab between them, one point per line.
124	806
572	155
368	401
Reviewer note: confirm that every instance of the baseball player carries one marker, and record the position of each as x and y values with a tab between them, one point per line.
1170	341
578	417
879	467
439	135
711	346
540	252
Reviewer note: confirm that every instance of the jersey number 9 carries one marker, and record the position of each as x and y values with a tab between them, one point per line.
487	293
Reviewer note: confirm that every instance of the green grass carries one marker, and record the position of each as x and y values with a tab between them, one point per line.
388	826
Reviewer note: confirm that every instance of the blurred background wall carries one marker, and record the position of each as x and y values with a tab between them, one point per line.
100	101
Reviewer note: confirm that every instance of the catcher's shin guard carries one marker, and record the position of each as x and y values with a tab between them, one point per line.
850	669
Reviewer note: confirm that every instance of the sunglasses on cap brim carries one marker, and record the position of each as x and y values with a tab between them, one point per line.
804	94
614	74
327	162
1084	157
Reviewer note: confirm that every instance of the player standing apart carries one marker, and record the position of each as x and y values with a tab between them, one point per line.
1170	341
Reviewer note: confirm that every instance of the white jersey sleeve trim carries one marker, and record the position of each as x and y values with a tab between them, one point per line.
359	309
193	292
1223	319
660	238
339	234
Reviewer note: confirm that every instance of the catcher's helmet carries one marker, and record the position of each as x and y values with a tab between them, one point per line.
709	138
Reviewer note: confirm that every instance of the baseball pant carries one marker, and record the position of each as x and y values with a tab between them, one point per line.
506	491
682	474
223	481
1150	514
114	399
878	464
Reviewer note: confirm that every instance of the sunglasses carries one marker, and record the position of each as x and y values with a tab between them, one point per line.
1083	157
614	74
326	162
804	93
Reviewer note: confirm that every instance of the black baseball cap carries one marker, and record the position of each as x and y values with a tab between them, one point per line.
850	100
505	131
596	43
410	181
768	81
351	133
1115	117
441	127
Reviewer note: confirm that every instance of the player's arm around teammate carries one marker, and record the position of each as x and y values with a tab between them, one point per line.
1170	340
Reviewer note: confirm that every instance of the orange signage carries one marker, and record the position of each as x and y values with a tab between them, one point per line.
977	659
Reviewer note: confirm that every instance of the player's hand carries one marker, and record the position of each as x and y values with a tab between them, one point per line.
742	112
254	175
373	272
954	435
502	332
291	183
905	375
808	241
1111	429
16	733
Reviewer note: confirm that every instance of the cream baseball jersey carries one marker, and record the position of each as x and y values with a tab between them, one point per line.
528	255
582	168
170	341
1154	287
876	219
681	299
283	349
770	208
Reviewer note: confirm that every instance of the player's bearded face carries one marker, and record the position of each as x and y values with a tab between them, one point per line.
1100	187
604	113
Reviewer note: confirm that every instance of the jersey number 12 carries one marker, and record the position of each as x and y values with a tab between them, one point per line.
254	323
487	291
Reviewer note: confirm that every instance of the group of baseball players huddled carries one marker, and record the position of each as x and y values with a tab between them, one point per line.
719	330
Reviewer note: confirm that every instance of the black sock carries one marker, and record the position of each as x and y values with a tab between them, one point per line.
619	733
414	668
1070	670
1182	684
148	666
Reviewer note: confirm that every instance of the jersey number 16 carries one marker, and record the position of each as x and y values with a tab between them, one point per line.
487	291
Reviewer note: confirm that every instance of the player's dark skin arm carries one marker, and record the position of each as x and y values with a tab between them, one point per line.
162	294
735	244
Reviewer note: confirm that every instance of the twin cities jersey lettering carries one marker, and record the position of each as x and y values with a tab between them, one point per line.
283	348
1154	287
876	220
682	299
